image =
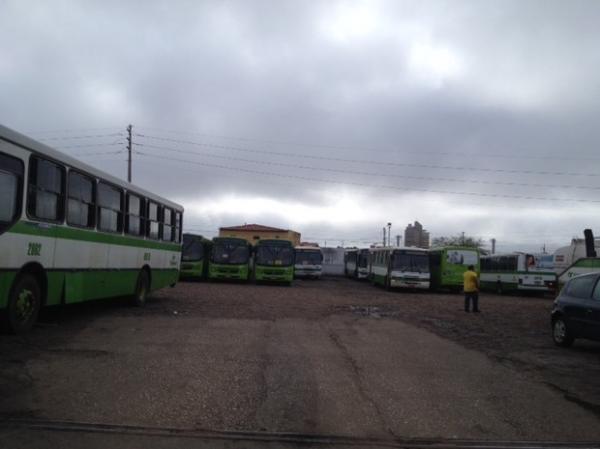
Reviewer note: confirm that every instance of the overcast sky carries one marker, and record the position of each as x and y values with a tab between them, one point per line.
330	118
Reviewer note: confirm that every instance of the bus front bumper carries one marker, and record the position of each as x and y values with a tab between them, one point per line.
409	283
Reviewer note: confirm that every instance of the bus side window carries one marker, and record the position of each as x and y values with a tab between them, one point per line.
11	189
110	208
81	207
167	234
134	220
46	190
178	218
153	228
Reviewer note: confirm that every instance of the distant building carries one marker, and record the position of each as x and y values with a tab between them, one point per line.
415	235
255	232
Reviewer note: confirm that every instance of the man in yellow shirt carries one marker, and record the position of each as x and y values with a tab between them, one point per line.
471	287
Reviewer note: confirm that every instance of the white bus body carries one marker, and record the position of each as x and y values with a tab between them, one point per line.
516	271
400	267
362	263
309	262
72	233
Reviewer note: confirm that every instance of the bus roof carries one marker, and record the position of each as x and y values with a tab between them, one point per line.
513	253
37	147
399	248
278	242
450	247
215	239
307	248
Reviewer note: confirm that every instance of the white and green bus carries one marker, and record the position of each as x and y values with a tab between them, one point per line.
71	233
350	260
308	262
362	263
400	268
516	272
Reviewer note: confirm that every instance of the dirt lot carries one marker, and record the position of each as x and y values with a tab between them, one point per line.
329	357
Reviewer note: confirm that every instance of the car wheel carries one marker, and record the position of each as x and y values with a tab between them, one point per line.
561	334
24	304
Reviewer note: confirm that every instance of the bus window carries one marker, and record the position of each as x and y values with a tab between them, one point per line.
11	175
46	190
80	203
193	250
153	223
110	215
178	227
167	234
134	223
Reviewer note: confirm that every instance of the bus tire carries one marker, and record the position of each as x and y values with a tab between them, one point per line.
24	304
142	287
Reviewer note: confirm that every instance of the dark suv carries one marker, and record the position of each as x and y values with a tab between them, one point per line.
576	312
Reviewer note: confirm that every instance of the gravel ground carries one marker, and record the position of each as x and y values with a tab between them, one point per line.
334	356
513	330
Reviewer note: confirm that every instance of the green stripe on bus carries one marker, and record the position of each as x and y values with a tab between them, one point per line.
63	232
74	286
586	263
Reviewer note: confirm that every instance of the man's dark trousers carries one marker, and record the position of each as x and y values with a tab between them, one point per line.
474	297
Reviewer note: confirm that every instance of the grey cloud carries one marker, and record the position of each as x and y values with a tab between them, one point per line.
526	86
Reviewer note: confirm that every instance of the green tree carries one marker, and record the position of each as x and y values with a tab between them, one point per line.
459	240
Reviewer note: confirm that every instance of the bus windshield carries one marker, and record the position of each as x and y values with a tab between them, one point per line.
363	259
309	257
232	253
274	255
192	249
411	262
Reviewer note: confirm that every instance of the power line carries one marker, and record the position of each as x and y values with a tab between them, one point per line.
370	149
370	162
80	137
69	130
363	173
408	189
98	153
108	144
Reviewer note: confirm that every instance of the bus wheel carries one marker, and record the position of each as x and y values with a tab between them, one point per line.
24	304
142	288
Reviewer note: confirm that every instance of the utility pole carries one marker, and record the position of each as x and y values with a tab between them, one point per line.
462	238
493	246
129	153
384	239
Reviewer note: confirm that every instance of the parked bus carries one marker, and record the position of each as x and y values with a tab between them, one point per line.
194	257
516	272
274	261
362	263
448	264
350	259
230	259
581	266
309	262
71	233
400	268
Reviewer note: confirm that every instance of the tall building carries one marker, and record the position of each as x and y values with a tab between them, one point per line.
255	232
415	235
